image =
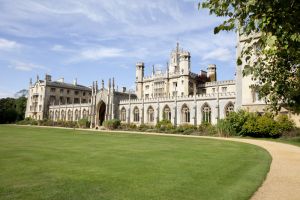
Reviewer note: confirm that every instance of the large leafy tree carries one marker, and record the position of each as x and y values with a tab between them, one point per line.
271	29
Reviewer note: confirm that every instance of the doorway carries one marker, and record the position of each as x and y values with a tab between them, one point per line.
102	113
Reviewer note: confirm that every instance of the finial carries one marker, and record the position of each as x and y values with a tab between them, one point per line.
30	81
37	78
96	86
113	83
109	83
177	47
102	84
153	69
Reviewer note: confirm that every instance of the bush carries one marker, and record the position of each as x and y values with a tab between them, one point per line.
285	124
84	123
223	128
235	121
261	126
28	121
112	124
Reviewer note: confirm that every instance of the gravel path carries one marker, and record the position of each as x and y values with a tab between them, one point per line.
283	179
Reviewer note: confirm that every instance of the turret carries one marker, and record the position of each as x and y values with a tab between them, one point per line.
139	79
212	72
48	78
184	63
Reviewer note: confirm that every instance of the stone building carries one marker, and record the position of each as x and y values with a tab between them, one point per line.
176	94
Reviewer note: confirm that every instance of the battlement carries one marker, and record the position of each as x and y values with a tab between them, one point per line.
182	98
220	83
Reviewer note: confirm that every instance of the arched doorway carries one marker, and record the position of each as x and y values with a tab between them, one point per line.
102	109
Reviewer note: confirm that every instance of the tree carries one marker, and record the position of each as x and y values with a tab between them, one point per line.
12	110
276	45
22	93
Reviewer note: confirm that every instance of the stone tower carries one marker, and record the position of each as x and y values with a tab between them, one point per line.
139	79
212	72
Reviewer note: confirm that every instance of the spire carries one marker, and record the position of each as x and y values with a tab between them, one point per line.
30	81
109	84
153	71
102	84
167	66
177	47
93	88
113	83
96	86
37	78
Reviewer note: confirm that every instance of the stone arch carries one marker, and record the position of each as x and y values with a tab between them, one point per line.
123	114
136	114
228	108
62	115
167	112
185	114
84	114
76	115
150	114
101	113
206	113
56	115
51	115
70	115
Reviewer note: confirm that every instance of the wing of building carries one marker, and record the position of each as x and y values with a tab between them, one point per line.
175	94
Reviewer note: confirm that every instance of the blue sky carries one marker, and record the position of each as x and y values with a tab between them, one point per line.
97	39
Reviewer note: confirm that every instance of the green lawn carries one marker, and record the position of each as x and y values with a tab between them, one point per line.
45	163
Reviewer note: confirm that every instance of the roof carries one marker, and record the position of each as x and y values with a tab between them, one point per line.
67	85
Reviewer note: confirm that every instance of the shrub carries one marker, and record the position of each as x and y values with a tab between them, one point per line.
144	127
285	124
84	123
223	128
235	121
28	121
112	124
261	126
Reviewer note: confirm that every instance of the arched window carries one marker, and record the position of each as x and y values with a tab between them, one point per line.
185	114
62	115
229	108
136	114
84	114
79	114
167	113
70	115
150	114
76	115
123	115
206	113
51	115
56	115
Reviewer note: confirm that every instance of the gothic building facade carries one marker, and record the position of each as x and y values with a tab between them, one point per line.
175	94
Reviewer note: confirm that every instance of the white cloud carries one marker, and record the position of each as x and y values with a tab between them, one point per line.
22	66
8	44
4	92
97	54
220	54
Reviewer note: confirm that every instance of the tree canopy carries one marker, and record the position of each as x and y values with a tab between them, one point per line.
275	47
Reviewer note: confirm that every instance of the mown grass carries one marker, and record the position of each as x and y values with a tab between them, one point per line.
47	163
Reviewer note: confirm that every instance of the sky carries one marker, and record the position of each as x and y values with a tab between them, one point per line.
99	39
